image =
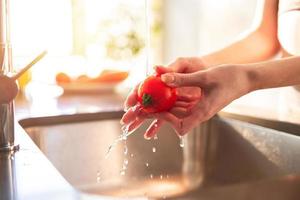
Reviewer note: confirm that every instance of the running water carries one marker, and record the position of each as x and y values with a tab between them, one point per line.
125	148
181	142
153	149
122	137
124	167
147	38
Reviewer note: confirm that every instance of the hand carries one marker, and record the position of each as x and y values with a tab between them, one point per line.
184	65
187	96
220	86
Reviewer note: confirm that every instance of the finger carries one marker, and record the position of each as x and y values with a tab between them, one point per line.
180	125
162	70
183	104
135	124
179	66
199	115
186	124
189	93
131	99
153	129
178	79
131	114
180	112
166	116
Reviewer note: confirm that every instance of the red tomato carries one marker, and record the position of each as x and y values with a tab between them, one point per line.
155	96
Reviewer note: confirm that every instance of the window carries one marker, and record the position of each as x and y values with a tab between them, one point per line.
84	36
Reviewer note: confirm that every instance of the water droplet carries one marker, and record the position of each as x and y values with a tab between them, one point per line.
124	132
125	149
126	162
131	155
134	108
151	176
161	176
111	147
122	172
147	164
153	149
98	176
124	137
108	151
155	137
181	142
124	129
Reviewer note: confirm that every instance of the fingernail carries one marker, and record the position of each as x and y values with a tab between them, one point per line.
168	78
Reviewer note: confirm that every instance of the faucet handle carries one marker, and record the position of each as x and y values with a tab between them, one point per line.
8	86
34	61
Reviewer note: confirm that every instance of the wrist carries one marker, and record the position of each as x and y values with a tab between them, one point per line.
208	61
252	76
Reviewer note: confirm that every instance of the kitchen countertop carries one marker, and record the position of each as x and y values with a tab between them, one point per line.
27	174
281	104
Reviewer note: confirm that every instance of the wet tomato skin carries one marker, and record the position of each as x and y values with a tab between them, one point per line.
155	96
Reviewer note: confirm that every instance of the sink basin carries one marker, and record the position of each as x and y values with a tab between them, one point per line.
226	150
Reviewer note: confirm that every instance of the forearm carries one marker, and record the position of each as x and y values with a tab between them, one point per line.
259	44
253	48
276	73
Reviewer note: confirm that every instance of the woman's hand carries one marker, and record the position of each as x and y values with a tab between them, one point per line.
220	86
187	96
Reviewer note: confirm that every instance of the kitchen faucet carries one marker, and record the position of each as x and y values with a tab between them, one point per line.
8	86
7	131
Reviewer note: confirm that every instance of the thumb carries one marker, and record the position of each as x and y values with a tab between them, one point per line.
162	70
180	79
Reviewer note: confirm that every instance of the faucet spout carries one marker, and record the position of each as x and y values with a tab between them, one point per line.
7	131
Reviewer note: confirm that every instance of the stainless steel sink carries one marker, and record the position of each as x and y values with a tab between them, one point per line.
226	150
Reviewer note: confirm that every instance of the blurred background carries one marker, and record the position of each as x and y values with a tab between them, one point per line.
87	37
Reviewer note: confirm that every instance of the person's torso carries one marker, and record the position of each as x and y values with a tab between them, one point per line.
289	38
289	26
